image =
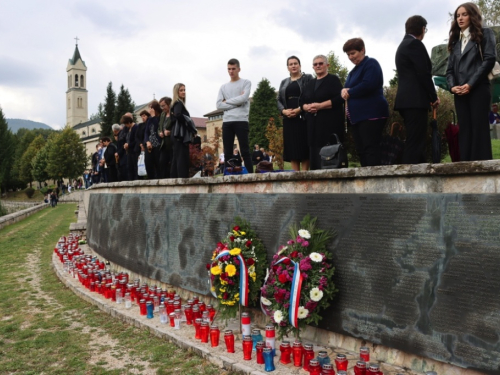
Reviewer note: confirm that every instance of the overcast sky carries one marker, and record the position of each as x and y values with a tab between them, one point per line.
148	46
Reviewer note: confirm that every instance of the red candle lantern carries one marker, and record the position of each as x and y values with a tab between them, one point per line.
374	369
260	349
214	336
229	340
170	306
188	312
308	356
285	352
142	307
195	300
364	354
190	302
202	306
171	318
327	369
341	362
245	324
204	332
297	353
247	347
360	368
196	312
211	312
314	367
197	326
171	293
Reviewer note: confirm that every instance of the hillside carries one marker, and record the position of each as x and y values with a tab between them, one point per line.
15	124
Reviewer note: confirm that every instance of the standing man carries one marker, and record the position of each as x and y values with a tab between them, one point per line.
129	146
233	99
416	91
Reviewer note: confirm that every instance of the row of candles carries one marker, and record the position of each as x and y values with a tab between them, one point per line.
93	274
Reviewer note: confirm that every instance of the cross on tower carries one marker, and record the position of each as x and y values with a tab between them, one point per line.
154	96
77	40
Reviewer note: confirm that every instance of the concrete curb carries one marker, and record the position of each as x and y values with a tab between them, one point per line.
14	217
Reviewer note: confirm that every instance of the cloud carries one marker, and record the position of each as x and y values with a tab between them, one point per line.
17	73
260	51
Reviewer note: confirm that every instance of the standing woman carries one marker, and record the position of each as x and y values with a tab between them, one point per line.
367	108
164	128
296	149
153	141
181	138
324	109
472	56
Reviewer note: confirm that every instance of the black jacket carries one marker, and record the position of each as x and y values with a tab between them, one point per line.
415	85
139	137
468	67
131	139
302	81
183	128
109	155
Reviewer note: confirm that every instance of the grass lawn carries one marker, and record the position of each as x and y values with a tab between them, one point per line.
45	328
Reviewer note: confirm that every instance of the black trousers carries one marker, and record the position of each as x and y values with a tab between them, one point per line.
132	159
473	117
180	160
367	135
165	162
152	163
416	122
111	174
240	129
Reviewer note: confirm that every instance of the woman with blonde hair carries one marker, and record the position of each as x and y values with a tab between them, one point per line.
472	56
181	133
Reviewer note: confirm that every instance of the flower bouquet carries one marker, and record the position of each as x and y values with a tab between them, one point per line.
237	269
299	284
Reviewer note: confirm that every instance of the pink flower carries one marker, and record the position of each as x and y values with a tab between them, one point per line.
290	242
305	265
299	239
311	305
236	262
305	244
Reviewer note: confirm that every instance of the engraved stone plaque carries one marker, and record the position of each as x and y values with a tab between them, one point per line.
416	272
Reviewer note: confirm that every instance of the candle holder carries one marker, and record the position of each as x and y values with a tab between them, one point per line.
323	358
271	338
188	312
268	359
163	314
197	326
297	353
128	301
171	318
247	347
308	356
177	319
364	354
214	336
374	369
360	368
256	337
285	351
149	307
327	369
260	350
204	332
229	340
142	307
245	324
341	362
314	367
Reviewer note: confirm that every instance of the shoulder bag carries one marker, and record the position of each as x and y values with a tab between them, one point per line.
333	156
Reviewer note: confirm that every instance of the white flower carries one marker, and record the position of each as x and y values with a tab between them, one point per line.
265	301
304	234
278	316
316	257
282	250
316	294
303	312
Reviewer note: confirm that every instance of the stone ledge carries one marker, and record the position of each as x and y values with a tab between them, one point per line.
19	215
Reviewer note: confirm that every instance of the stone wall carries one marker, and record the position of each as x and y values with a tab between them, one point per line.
416	252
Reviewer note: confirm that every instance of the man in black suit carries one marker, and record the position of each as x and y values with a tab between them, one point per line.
416	91
109	160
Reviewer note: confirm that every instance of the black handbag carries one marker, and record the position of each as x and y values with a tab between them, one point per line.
333	156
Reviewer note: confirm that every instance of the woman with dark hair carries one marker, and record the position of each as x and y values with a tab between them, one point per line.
296	149
324	108
367	108
472	56
153	141
181	135
164	128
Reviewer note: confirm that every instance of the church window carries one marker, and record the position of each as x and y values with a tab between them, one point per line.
80	103
76	80
93	130
83	133
69	103
81	81
69	81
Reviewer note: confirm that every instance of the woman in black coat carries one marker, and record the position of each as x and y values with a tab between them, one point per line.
472	56
295	145
180	148
324	108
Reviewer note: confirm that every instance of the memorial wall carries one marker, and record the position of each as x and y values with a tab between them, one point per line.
416	253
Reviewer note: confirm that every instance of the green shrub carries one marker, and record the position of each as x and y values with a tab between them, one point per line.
44	190
3	210
29	192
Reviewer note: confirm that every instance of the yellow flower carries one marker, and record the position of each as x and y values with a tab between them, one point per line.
253	275
212	289
231	270
236	233
235	251
236	295
242	233
214	254
222	290
251	269
223	282
216	270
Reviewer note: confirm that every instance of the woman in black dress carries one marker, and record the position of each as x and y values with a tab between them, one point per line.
296	149
153	141
180	147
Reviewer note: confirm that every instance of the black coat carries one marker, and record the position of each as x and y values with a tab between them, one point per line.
109	155
139	137
469	67
131	138
321	125
415	85
302	81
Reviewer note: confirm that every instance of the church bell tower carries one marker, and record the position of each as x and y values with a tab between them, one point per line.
77	94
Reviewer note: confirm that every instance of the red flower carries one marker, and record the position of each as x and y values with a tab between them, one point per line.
282	278
225	295
248	243
220	245
223	276
294	254
286	261
236	228
208	266
250	261
231	238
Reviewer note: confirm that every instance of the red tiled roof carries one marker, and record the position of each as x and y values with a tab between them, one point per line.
199	122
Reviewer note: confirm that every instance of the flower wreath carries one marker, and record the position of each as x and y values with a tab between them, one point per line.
237	269
299	285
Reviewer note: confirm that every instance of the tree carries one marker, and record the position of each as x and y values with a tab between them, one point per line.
98	115
274	135
39	162
336	67
124	104
395	80
262	108
6	151
66	157
25	168
490	10
108	113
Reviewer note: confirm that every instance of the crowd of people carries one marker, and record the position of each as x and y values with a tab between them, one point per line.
315	108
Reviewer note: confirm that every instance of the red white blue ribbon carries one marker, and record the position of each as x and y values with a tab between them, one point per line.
243	277
293	309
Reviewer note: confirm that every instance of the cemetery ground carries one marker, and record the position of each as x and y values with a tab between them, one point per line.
45	328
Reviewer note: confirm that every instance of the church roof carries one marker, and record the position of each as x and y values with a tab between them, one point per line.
76	57
87	123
